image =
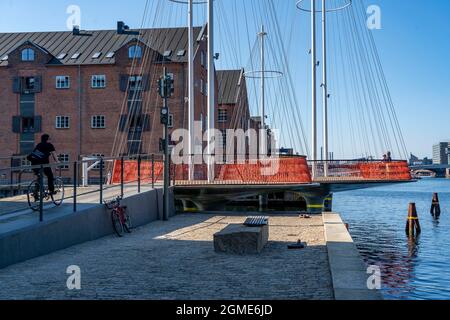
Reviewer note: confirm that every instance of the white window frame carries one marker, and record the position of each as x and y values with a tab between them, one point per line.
64	158
137	79
29	54
222	115
98	81
62	122
95	120
61	80
133	52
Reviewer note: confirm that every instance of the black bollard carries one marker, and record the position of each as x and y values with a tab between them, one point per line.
435	206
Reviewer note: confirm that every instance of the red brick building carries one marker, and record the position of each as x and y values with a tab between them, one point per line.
95	92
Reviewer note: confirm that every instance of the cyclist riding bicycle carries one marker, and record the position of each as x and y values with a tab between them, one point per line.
41	156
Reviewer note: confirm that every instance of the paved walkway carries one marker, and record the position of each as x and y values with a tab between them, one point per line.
176	260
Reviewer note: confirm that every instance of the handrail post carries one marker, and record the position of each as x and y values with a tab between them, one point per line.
41	193
11	177
139	173
122	165
153	171
101	179
75	185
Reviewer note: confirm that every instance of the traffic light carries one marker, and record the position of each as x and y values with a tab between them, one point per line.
165	116
166	87
170	86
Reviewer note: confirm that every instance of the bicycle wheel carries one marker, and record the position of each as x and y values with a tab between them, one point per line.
58	197
127	224
33	195
117	223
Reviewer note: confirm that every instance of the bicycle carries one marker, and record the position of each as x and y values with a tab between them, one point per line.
34	190
120	219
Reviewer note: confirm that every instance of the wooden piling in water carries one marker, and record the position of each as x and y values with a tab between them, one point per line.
413	224
435	206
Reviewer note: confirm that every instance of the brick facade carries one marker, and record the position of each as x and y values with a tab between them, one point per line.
80	102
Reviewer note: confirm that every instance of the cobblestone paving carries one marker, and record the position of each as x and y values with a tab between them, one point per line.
176	260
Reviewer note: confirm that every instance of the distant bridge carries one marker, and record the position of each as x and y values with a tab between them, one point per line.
431	167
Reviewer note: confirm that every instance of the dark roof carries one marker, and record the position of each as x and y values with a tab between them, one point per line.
229	83
91	42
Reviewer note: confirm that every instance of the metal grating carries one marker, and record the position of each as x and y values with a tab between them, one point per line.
256	221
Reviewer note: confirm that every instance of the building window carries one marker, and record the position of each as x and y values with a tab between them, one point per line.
202	86
28	125
171	123
98	81
98	166
64	159
203	58
223	115
135	82
135	52
28	55
29	83
98	122
62	122
62	82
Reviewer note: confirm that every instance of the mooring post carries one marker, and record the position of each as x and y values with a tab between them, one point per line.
435	206
413	225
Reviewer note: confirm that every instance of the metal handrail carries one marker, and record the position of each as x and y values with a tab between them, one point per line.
75	183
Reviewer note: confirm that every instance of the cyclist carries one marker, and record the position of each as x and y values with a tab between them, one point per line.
41	156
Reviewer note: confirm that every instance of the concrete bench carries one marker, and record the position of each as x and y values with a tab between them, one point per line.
241	239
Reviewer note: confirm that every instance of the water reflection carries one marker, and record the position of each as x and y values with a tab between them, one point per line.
412	268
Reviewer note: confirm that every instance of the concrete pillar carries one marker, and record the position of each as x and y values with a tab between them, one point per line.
189	206
315	204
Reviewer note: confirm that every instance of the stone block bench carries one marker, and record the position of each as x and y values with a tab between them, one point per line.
242	239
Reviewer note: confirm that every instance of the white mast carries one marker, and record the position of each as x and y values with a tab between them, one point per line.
191	89
325	89
314	89
211	91
263	137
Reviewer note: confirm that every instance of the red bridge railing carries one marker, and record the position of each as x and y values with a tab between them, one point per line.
354	170
285	170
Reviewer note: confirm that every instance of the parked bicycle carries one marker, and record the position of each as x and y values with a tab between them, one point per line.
34	193
120	219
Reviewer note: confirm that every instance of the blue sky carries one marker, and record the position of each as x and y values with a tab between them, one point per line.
413	44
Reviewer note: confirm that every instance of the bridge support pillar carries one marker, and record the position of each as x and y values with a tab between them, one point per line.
328	203
189	206
315	201
263	202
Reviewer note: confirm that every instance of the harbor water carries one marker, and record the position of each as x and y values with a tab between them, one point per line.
411	268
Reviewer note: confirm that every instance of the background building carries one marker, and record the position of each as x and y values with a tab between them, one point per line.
440	153
95	92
